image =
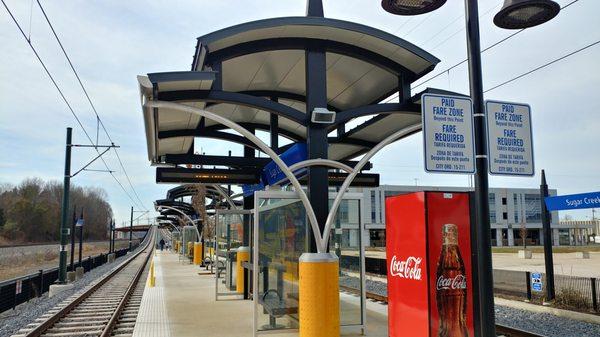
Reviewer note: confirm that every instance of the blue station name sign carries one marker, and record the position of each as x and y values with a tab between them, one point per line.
573	201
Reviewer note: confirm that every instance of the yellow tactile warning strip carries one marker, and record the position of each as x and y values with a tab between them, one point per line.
153	319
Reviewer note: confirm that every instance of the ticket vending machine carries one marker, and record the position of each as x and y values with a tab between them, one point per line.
429	261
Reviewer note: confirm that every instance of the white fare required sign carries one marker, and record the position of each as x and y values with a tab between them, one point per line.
509	137
448	134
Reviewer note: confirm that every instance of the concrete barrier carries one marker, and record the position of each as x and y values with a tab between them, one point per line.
79	272
525	254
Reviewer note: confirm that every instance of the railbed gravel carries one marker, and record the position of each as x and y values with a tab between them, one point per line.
13	320
543	324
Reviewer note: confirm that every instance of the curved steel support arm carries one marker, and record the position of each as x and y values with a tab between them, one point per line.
264	147
321	162
338	198
187	216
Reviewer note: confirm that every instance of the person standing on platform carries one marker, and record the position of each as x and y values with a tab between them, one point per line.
162	244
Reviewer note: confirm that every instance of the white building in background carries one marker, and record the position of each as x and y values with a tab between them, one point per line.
510	210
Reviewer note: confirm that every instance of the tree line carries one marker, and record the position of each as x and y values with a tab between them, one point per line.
30	211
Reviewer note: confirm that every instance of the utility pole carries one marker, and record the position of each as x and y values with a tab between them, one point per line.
131	228
546	219
64	230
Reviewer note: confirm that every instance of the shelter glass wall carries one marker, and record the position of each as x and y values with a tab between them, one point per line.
228	238
281	235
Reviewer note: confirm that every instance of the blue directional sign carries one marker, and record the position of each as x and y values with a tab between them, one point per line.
573	201
249	189
272	174
536	282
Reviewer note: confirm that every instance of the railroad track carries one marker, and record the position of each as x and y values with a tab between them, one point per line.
109	307
501	330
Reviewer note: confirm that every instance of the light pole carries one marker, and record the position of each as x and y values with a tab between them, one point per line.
515	14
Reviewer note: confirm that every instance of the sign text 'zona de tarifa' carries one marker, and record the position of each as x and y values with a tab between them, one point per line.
448	137
510	141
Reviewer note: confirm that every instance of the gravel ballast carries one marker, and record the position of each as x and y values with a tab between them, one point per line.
13	320
540	323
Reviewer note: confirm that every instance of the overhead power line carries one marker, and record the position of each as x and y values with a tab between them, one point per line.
66	101
543	66
90	101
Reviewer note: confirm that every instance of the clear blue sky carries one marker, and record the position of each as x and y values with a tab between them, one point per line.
110	42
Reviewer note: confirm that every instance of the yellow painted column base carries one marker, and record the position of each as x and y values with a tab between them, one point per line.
243	254
151	278
319	295
198	247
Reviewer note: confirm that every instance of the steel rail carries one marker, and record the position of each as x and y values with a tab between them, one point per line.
48	323
108	329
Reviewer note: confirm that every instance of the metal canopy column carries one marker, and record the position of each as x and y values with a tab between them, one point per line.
249	152
316	97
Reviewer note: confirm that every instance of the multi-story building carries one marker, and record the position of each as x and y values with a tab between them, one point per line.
514	213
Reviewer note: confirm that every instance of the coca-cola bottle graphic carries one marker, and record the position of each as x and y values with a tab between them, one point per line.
451	287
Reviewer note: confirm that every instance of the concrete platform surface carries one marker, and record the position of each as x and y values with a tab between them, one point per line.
182	304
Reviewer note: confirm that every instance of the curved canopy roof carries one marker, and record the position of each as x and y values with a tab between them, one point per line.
254	70
182	206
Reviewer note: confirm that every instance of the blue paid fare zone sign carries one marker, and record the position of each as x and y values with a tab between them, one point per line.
509	136
448	135
573	201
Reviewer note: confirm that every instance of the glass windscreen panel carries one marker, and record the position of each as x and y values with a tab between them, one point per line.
346	243
283	235
228	237
282	238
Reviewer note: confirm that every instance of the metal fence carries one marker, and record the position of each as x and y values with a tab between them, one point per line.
579	293
21	289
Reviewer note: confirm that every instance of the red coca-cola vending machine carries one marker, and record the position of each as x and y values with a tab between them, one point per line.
430	275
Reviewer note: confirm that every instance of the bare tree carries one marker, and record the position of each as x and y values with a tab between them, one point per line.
199	204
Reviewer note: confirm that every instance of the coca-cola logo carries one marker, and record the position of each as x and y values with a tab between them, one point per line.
409	268
456	282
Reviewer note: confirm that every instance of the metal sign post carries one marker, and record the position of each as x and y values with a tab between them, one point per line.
80	225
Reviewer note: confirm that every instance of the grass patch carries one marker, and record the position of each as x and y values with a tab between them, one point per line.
570	298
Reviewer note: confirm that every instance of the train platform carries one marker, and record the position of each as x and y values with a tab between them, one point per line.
182	303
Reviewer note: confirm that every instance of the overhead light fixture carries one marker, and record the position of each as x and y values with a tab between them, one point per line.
411	7
322	116
520	14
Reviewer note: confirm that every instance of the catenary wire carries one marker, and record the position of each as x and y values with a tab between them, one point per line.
63	96
88	99
543	66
